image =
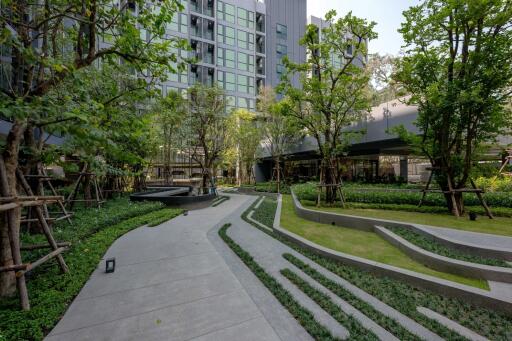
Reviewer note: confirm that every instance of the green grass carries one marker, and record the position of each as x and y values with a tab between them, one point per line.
405	297
498	225
362	244
51	292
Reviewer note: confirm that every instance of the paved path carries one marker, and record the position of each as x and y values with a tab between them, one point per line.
171	283
476	238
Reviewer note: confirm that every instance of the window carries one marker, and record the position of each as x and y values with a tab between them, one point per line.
226	34
245	18
279	69
245	62
179	23
226	80
246	103
282	50
245	40
226	57
282	31
226	12
245	84
230	103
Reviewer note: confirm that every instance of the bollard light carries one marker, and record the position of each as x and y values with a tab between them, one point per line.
110	265
472	216
185	213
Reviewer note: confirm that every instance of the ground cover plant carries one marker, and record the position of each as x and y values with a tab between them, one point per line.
92	232
431	245
381	319
365	244
301	314
405	298
354	327
219	200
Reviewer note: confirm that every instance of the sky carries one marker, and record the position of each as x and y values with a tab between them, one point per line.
386	13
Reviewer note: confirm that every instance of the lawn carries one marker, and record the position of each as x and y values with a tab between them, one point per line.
498	225
362	244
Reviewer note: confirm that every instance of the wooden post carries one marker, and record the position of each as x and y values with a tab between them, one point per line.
42	221
60	203
452	196
426	188
72	195
14	239
482	200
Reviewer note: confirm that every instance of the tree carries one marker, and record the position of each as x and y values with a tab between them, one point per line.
51	41
208	125
334	85
383	87
246	136
458	71
171	111
279	131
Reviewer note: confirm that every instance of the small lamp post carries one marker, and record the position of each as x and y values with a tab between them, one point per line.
110	265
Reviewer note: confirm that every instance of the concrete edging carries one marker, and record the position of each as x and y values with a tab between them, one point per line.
367	224
446	264
443	287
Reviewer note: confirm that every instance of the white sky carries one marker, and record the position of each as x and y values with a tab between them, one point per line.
386	13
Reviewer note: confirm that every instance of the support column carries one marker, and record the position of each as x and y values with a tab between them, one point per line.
404	167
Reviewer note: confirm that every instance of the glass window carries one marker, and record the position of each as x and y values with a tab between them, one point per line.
245	40
226	34
226	12
245	18
226	80
279	68
183	23
282	50
226	57
282	31
245	62
246	103
246	84
174	24
230	103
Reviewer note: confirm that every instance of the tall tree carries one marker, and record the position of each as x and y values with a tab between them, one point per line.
383	87
279	131
334	85
458	70
171	113
245	135
208	126
50	41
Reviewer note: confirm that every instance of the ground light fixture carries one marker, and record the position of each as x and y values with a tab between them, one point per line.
110	265
472	216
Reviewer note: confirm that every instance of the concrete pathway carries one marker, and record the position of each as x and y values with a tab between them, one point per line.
481	239
171	283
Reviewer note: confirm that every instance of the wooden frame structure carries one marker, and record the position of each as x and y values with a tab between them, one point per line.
43	178
84	176
451	191
337	187
8	204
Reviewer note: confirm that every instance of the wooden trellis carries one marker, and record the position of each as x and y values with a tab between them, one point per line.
46	181
451	191
7	205
83	177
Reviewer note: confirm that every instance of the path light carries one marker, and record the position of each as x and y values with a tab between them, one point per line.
185	212
110	265
472	216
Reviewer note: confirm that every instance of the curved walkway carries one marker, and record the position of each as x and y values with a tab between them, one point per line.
171	283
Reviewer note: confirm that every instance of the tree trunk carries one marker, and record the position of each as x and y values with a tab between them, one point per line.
328	179
10	155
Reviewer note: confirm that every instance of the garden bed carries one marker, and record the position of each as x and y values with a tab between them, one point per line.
91	234
404	297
